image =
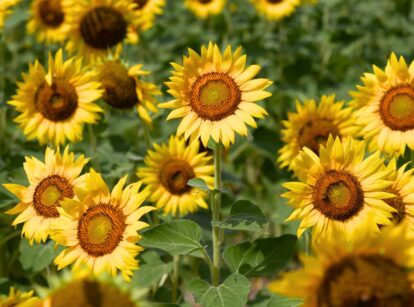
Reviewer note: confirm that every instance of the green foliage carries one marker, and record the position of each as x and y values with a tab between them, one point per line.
37	257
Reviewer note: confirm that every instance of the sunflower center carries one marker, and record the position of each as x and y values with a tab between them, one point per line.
365	280
275	1
338	195
103	27
84	292
397	203
50	12
141	4
205	1
397	108
48	193
214	96
100	229
56	102
174	176
316	132
119	86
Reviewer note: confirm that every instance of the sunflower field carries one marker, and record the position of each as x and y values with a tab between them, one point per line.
221	153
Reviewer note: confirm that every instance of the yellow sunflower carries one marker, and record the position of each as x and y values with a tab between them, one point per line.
17	298
55	105
5	6
148	9
216	95
48	20
311	125
97	26
276	9
205	8
125	89
385	106
50	183
168	169
100	228
339	189
368	272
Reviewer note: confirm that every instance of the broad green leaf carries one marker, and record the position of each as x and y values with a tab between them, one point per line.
181	237
280	301
231	293
198	183
38	256
244	216
260	258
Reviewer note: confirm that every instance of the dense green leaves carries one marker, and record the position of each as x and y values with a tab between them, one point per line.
37	257
181	237
244	216
152	270
263	257
231	293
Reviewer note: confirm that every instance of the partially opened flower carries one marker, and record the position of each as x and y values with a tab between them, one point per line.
216	95
54	105
311	125
100	228
368	272
339	190
47	20
276	9
50	183
5	10
20	299
205	8
385	106
168	169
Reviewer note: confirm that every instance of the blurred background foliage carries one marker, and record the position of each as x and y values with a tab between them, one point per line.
320	49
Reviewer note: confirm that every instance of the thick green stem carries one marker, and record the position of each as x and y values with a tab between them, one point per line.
92	143
215	208
175	279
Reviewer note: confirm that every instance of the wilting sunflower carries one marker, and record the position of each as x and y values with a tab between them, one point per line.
276	9
311	125
148	9
403	188
386	107
368	272
125	89
216	95
19	298
100	25
100	228
48	20
205	8
339	189
50	182
55	105
5	6
168	169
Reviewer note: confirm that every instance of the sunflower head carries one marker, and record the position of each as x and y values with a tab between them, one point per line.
339	189
205	8
385	106
370	271
276	9
100	228
19	298
148	10
311	125
216	95
168	169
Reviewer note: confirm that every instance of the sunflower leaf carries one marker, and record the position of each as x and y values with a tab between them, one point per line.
262	257
198	183
37	257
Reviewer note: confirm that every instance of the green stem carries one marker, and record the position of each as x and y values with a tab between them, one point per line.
175	279
147	136
3	125
215	208
92	142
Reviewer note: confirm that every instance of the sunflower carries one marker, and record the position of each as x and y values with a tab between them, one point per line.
19	298
5	6
100	25
216	95
403	189
48	20
311	125
339	189
276	9
386	107
125	89
50	182
100	228
148	9
205	8
368	272
168	169
55	105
